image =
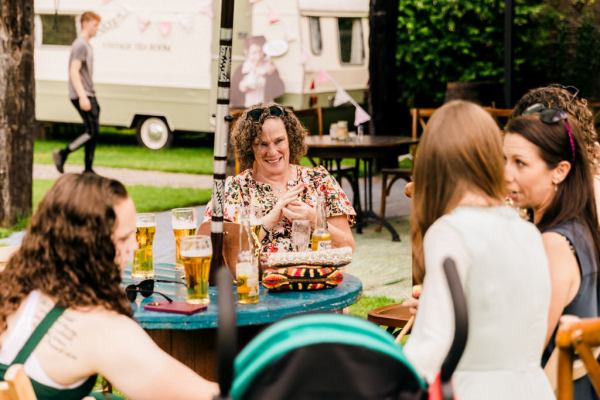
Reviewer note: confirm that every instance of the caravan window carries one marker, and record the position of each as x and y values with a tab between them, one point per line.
314	28
58	30
351	41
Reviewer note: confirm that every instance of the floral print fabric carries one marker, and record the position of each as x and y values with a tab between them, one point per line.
242	191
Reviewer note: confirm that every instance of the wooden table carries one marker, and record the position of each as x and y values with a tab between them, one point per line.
366	150
192	339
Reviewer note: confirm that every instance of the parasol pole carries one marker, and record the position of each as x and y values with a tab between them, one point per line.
221	136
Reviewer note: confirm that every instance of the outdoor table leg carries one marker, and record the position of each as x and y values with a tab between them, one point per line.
368	213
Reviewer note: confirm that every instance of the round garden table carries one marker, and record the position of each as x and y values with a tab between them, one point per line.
192	339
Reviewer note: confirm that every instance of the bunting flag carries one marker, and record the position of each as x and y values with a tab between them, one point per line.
323	76
165	28
312	85
273	16
360	115
341	97
143	24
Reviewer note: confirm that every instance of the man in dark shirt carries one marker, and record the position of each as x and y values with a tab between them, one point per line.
82	93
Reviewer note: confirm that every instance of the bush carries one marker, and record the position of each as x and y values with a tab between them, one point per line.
442	41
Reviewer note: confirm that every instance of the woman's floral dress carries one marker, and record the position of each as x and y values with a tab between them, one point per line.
243	191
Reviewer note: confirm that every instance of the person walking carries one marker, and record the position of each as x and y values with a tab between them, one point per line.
82	93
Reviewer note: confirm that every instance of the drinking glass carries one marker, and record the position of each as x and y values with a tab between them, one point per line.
184	224
196	252
143	266
300	234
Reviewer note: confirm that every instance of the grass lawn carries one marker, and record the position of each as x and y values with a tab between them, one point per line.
146	198
192	160
366	303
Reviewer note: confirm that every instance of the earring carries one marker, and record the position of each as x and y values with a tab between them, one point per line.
555	186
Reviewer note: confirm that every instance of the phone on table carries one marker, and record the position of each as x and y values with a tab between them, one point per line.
177	307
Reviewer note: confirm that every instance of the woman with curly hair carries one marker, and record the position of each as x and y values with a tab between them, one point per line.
269	142
62	312
566	98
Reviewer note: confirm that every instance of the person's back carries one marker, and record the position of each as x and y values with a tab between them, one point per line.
459	212
503	269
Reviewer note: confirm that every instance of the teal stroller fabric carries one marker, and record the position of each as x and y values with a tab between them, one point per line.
354	359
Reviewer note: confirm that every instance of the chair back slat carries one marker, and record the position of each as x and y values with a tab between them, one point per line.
16	385
577	336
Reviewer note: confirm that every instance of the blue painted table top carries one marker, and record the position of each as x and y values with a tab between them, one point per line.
272	306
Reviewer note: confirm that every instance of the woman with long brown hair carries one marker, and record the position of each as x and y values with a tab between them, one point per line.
459	212
548	171
62	312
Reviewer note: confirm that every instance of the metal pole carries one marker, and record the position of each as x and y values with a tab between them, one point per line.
509	15
221	136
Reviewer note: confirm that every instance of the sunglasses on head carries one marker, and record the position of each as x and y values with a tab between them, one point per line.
146	289
552	116
274	110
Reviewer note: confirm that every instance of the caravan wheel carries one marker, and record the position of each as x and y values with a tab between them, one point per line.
154	133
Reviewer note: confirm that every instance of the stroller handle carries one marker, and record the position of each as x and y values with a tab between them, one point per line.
461	321
227	332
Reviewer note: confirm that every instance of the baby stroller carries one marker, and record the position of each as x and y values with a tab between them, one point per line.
330	356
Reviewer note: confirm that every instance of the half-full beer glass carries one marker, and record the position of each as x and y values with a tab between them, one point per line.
183	221
143	266
196	252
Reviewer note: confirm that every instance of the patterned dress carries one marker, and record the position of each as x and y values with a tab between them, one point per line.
242	191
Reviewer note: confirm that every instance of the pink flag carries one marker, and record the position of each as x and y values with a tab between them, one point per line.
273	16
143	24
323	76
341	97
360	116
165	28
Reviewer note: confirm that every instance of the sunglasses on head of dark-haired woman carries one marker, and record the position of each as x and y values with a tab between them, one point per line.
553	116
274	110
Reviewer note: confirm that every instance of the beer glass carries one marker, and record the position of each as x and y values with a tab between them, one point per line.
196	252
183	221
300	234
143	267
254	217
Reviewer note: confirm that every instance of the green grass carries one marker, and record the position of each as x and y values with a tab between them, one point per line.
146	198
366	303
193	160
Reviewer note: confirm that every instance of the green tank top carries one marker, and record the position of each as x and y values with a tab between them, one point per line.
44	392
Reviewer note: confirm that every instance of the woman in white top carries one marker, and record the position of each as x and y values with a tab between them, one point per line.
458	212
63	285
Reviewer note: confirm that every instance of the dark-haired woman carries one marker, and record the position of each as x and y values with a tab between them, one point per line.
547	170
62	312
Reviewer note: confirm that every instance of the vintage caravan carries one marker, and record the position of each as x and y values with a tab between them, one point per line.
155	60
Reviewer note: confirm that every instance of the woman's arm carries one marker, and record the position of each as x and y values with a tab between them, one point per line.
565	277
341	235
136	366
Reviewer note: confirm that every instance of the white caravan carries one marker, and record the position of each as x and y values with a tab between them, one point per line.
155	60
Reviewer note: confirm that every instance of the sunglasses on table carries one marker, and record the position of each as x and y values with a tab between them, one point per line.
274	110
552	116
146	289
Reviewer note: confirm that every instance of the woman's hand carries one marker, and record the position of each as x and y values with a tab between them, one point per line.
413	303
298	210
275	215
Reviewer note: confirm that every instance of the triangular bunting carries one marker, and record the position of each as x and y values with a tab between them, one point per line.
360	116
341	97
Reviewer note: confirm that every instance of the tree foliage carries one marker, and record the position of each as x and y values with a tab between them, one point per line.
443	41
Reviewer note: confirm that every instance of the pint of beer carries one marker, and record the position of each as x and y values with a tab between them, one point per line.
183	221
196	252
143	267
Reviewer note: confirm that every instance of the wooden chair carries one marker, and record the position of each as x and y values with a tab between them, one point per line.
16	385
311	119
577	336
